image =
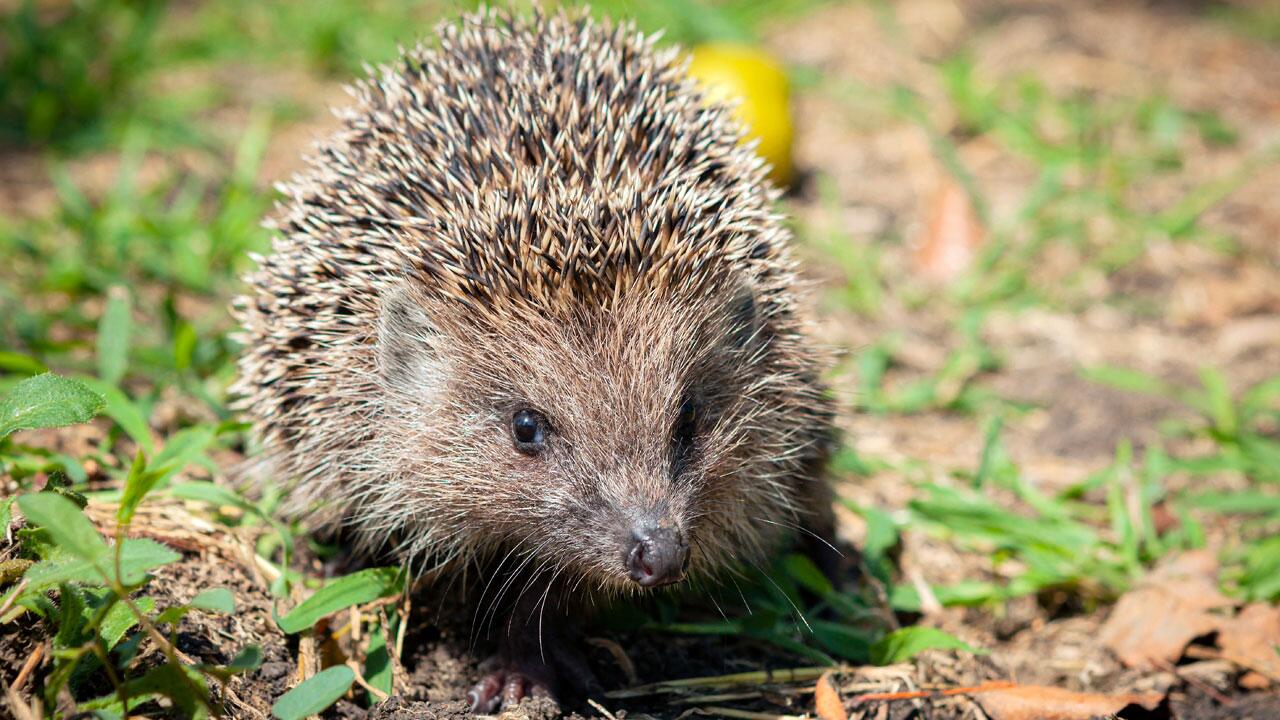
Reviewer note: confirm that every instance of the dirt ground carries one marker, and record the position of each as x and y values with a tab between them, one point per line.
1214	309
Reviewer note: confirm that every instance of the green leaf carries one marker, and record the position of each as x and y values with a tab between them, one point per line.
172	615
218	600
47	401
1131	380
354	589
6	515
249	658
127	415
315	694
1245	502
782	640
120	619
136	486
1222	410
73	615
902	645
851	643
184	345
847	461
806	573
113	337
181	684
1258	397
64	522
990	449
136	557
12	362
181	449
207	492
882	534
377	663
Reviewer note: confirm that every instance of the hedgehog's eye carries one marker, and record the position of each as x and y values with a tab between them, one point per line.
687	421
529	431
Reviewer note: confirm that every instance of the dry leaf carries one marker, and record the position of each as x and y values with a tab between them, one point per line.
1249	640
952	236
1032	702
826	699
1152	623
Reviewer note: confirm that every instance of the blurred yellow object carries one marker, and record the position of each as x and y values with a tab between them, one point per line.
729	72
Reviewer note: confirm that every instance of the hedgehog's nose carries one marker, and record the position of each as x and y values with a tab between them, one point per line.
659	556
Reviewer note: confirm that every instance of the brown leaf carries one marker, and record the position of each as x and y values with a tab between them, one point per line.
1250	639
1033	702
952	236
826	699
1163	518
1152	623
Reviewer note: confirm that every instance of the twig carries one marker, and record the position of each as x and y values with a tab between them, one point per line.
1205	687
929	604
404	623
746	714
21	710
984	687
747	678
602	709
722	697
27	667
308	662
13	597
355	668
267	568
921	694
890	696
620	656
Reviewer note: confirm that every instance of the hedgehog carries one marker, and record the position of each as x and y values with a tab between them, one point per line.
530	316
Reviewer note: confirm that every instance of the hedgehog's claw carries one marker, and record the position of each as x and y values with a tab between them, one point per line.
505	684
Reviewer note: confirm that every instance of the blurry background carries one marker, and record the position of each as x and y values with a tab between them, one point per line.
1044	237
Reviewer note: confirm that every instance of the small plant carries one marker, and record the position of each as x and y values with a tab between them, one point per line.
86	590
793	606
1241	432
951	387
367	593
1242	428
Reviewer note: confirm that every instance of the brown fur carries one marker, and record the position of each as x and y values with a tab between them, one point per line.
539	213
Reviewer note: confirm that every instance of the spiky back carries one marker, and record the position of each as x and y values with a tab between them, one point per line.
553	163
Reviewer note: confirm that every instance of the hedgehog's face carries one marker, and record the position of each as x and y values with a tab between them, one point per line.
627	447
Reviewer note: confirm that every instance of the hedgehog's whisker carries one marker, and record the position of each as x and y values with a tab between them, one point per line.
800	528
493	575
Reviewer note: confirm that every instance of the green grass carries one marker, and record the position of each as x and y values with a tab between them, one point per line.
123	294
65	71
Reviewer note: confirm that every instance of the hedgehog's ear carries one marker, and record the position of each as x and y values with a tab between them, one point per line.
405	335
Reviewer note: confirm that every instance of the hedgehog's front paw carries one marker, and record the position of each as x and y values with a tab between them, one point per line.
507	681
